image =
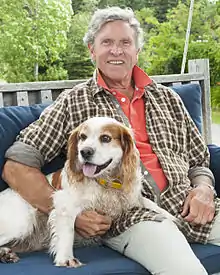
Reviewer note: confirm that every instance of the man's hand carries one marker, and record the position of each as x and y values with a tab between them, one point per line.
199	206
91	223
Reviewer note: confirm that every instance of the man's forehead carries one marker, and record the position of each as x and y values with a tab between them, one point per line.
120	28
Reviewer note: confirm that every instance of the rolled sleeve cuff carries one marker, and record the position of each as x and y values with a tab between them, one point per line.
25	154
201	171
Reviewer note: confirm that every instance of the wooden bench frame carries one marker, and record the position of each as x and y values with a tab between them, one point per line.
30	93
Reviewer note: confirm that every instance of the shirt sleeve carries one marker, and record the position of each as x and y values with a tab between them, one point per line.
44	139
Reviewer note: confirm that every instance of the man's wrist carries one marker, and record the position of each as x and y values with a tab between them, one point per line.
201	181
208	186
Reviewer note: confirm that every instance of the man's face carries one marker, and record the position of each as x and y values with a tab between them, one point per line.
114	50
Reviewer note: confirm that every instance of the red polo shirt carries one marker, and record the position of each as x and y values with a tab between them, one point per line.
135	112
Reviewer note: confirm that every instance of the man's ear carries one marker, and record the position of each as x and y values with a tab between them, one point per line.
137	55
92	51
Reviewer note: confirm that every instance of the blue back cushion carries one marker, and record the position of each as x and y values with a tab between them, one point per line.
12	120
191	96
215	165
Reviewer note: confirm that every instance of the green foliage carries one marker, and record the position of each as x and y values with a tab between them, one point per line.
33	33
77	59
165	45
215	96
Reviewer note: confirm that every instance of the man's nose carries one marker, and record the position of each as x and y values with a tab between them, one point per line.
87	153
116	50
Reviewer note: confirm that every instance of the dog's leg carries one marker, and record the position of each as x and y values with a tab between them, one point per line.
17	220
7	256
61	221
153	206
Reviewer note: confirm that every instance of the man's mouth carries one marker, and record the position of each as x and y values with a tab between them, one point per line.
115	62
90	169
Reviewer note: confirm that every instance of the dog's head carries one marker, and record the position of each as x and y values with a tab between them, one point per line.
103	147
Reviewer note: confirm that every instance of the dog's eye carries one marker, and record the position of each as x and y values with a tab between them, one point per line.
82	137
105	138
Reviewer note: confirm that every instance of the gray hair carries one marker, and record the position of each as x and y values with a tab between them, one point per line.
102	16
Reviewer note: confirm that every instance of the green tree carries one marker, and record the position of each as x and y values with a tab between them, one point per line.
166	43
77	59
32	36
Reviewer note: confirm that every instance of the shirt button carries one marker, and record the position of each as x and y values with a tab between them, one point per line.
123	99
114	93
145	173
117	106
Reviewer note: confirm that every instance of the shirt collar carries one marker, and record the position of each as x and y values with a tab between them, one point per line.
141	79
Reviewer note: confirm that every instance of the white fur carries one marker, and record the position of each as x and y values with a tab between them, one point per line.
20	221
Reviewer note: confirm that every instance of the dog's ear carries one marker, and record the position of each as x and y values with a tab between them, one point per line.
72	154
130	160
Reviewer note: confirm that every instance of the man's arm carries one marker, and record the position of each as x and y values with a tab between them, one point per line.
30	183
199	206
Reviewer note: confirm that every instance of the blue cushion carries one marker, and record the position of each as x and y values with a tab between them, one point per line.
191	96
215	165
100	261
12	121
209	256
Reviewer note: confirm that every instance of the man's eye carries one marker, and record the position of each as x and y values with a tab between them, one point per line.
126	42
82	137
106	42
105	138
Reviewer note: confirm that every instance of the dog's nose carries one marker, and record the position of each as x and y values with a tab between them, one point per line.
87	153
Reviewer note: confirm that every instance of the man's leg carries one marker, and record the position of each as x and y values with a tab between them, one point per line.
160	247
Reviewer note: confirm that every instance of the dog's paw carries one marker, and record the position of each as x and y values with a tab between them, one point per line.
7	256
74	262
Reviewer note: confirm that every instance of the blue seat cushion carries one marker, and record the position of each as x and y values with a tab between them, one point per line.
100	261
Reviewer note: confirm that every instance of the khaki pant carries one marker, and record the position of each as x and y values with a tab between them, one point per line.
161	248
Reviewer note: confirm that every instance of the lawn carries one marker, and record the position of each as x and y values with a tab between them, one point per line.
216	117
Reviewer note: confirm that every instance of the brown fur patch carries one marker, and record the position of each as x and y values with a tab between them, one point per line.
72	156
123	137
56	179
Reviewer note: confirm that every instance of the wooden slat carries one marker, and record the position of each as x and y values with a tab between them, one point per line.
41	85
1	100
22	98
202	66
46	96
177	78
68	84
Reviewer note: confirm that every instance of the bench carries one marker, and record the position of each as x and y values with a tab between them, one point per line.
22	103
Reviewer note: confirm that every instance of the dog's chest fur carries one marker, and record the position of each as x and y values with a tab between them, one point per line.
109	200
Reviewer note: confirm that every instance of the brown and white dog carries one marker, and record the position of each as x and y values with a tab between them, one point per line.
102	171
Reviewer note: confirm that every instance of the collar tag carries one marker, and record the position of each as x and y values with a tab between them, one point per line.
116	184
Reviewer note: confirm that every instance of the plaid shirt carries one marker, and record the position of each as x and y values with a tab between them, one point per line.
172	134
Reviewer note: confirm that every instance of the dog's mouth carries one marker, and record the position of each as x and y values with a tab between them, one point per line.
90	169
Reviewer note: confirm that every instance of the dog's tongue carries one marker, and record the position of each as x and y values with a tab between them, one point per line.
89	169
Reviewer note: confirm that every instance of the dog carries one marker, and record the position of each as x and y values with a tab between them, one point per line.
102	171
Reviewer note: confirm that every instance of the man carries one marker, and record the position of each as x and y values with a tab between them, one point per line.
170	146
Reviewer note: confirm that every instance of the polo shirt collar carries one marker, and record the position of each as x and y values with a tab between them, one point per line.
141	80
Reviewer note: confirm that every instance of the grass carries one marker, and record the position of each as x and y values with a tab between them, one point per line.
216	117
